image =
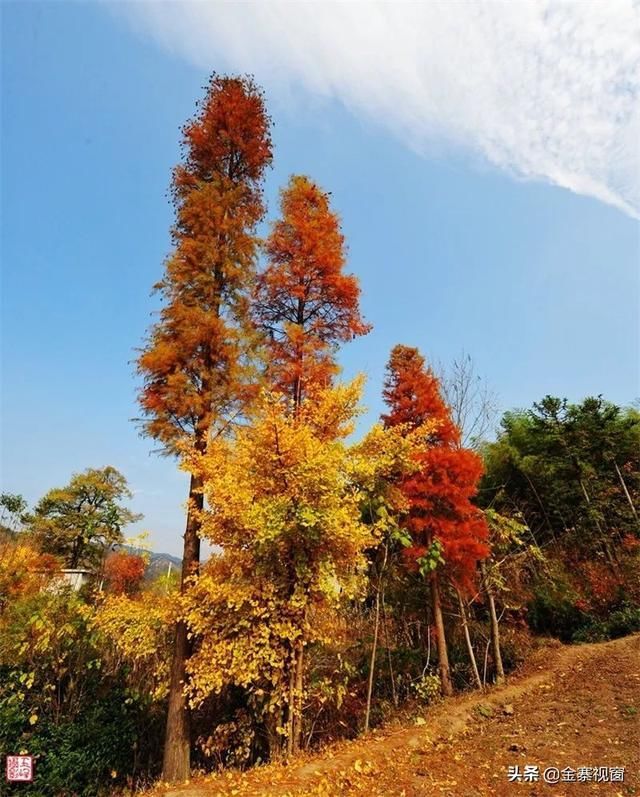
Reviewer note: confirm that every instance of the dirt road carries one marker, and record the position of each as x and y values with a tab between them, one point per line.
574	712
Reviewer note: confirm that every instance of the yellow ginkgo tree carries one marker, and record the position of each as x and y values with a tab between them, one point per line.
285	500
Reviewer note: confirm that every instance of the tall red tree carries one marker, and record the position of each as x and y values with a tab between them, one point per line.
442	521
191	364
304	300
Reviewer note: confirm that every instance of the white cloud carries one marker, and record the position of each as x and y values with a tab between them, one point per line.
544	90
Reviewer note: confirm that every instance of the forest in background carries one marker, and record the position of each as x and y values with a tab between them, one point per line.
356	579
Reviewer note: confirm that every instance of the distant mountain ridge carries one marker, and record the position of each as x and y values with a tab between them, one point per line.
162	563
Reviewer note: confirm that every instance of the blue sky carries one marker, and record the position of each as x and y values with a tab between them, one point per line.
456	247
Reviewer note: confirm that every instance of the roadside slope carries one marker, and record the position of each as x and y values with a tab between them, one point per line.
579	706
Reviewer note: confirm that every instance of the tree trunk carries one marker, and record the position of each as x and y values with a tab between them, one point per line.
394	693
76	551
291	708
272	723
494	627
441	640
372	663
376	633
604	542
542	506
176	763
626	490
299	688
467	636
177	740
486	662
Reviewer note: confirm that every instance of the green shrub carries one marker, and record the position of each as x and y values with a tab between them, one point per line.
83	756
553	611
624	621
64	703
621	622
73	758
595	631
428	688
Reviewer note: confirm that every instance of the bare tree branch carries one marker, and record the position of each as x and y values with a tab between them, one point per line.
474	405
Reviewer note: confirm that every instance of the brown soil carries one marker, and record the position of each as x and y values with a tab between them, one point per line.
570	707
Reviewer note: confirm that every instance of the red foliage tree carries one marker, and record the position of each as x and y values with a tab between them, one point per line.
192	363
441	515
191	357
124	572
304	300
